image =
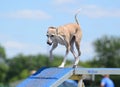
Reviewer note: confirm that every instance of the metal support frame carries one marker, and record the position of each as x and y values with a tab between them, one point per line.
79	78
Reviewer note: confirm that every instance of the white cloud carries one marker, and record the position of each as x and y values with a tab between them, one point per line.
13	48
87	48
94	11
2	37
15	45
26	14
63	1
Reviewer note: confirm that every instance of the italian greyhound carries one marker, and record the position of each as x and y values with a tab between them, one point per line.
66	35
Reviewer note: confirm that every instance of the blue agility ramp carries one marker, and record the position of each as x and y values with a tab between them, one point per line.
49	77
53	77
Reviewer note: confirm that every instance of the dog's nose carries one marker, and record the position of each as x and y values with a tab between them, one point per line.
49	43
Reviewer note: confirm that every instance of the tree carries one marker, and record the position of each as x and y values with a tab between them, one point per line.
20	66
3	66
108	51
3	70
2	52
17	65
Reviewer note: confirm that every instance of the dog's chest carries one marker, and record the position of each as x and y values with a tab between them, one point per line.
61	40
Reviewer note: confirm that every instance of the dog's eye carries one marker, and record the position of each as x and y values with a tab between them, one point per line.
47	35
52	35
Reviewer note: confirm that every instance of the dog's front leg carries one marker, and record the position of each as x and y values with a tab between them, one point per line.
53	47
64	60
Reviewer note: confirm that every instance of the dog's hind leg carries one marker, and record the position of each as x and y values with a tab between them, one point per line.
77	44
72	47
72	51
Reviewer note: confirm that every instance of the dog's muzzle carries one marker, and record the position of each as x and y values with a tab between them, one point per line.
49	43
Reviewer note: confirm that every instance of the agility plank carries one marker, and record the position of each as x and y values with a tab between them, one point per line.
98	71
50	77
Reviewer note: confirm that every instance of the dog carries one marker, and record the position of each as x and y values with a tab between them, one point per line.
66	35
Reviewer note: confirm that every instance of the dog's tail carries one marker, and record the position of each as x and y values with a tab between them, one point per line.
76	16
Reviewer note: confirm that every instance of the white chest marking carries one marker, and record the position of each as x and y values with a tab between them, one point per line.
61	40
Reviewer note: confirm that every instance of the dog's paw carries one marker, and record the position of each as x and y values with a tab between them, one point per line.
61	66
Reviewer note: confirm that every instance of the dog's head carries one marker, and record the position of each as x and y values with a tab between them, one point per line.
51	34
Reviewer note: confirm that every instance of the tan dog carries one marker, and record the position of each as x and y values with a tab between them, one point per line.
66	35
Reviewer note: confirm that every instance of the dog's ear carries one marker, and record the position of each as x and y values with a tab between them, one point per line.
53	27
55	30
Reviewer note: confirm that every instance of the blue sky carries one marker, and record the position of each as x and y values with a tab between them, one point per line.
23	23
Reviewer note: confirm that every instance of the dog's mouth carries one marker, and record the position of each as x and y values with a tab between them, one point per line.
49	43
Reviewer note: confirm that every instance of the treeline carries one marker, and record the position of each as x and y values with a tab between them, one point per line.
107	56
19	67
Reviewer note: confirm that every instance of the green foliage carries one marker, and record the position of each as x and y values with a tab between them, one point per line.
2	52
108	52
3	70
22	75
21	65
3	66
